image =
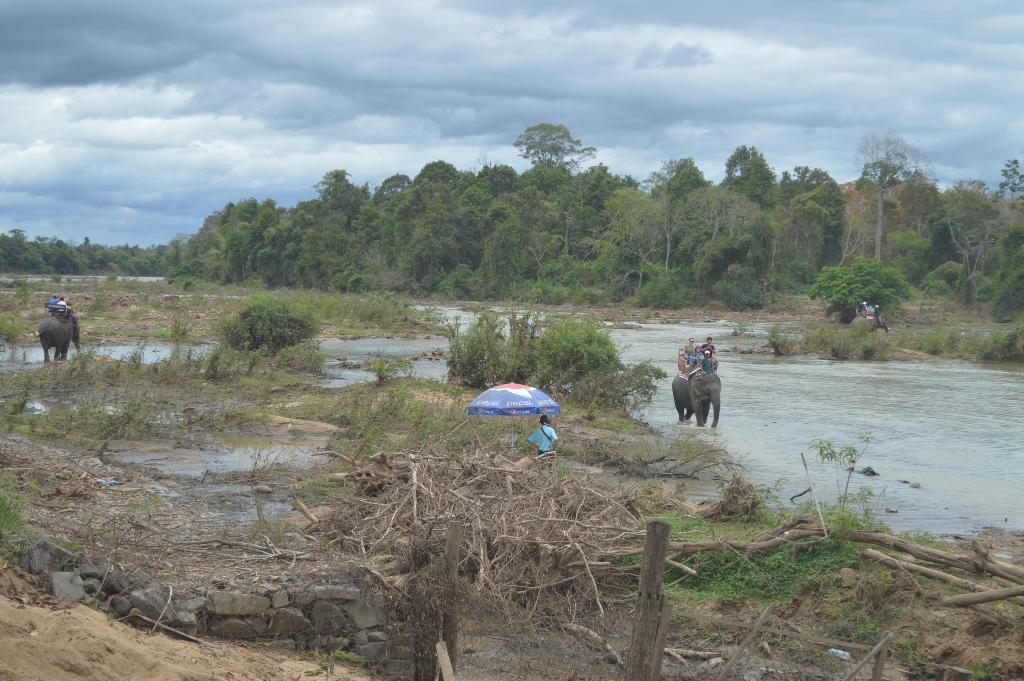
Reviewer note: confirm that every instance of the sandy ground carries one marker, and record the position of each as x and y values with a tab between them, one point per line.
39	643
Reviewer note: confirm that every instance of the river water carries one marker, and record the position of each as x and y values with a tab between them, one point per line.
954	428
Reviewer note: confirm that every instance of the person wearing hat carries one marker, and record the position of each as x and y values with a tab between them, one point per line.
706	363
545	439
710	345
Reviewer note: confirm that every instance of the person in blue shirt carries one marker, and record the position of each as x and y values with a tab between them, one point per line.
706	362
545	439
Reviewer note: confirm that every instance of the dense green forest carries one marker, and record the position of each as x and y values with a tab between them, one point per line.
19	255
566	231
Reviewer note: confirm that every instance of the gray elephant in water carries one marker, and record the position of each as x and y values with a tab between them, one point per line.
681	396
703	390
56	334
879	322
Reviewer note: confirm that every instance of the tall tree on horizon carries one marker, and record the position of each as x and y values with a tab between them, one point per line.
888	160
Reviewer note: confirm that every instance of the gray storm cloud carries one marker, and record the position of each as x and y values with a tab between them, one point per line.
131	121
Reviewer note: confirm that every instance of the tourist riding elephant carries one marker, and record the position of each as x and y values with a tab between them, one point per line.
681	396
705	390
878	322
57	334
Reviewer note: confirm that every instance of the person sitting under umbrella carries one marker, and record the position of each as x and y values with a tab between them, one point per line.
545	439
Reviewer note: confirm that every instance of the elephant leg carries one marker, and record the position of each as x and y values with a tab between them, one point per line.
46	353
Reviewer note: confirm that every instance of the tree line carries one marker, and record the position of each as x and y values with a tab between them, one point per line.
570	230
43	255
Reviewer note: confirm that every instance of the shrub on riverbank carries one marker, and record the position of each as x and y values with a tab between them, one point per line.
306	356
11	327
1002	345
269	323
845	342
570	358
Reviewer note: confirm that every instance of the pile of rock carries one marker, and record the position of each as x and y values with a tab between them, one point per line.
287	612
435	355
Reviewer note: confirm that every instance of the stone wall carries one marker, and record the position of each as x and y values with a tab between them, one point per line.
347	612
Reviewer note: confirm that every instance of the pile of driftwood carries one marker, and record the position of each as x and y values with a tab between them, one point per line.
530	536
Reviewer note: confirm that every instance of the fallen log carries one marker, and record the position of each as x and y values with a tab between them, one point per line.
595	638
1010	573
693	654
895	564
984	596
686	549
314	522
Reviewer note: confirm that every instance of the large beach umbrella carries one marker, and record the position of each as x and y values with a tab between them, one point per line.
512	399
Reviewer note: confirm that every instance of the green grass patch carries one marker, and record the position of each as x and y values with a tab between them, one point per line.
769	577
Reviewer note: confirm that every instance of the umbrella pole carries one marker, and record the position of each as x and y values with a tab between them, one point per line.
513	433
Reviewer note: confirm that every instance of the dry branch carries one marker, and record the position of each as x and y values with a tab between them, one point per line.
984	596
894	564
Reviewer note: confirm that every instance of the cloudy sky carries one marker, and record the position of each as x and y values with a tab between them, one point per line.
129	121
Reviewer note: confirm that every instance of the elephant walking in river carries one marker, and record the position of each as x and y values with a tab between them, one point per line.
696	396
59	335
877	322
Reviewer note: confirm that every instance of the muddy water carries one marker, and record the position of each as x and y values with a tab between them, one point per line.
954	428
13	356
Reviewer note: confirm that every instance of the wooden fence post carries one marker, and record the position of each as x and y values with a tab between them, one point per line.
444	661
876	673
658	653
867	658
648	617
450	624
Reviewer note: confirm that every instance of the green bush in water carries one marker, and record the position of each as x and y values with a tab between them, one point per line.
305	356
269	323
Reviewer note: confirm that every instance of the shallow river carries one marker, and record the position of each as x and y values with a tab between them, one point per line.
954	428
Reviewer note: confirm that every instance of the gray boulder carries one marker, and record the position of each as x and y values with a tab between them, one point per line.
116	582
92	569
374	652
46	555
150	603
288	621
303	599
328	618
336	592
229	627
91	586
234	603
279	600
67	586
121	605
367	613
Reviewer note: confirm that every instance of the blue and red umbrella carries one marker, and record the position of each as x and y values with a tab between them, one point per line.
512	399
